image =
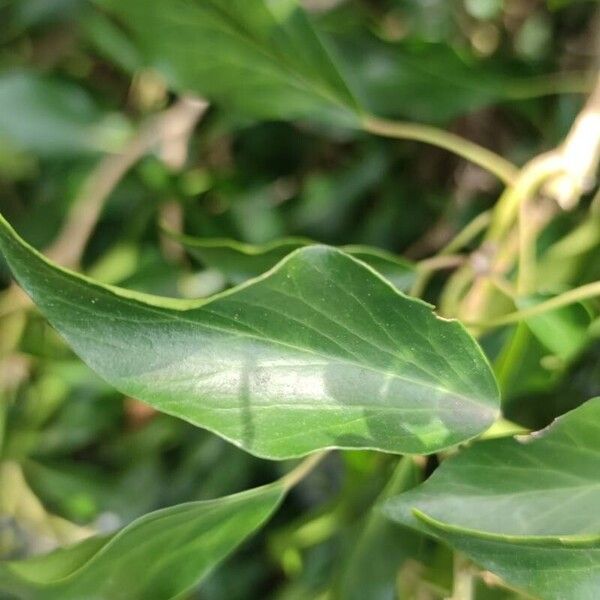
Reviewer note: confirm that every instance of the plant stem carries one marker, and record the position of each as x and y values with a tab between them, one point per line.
464	576
428	266
488	160
303	469
460	240
468	233
585	292
531	178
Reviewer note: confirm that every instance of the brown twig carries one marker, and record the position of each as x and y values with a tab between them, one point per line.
169	131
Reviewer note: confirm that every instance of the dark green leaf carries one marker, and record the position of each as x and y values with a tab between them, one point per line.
527	508
261	58
380	550
239	261
319	352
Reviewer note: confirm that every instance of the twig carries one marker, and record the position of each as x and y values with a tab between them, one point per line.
488	160
172	127
585	292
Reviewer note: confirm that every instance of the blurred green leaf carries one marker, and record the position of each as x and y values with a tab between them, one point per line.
359	364
380	550
51	117
161	555
239	261
261	58
525	509
564	332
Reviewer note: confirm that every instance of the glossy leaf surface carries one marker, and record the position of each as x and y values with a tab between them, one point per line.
319	352
259	57
160	555
525	508
239	261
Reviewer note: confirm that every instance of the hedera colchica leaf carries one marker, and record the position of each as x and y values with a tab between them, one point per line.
319	352
160	555
261	58
239	261
526	508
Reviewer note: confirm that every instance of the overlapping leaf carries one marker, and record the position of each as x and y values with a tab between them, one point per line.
259	57
239	262
319	352
526	509
160	555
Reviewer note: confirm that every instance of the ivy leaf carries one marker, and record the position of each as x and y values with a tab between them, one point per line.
526	509
319	352
261	58
239	262
160	555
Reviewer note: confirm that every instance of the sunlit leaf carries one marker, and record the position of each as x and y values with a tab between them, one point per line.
318	352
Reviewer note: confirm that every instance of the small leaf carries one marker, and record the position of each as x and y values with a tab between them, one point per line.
160	555
319	352
526	509
259	57
563	331
239	261
54	117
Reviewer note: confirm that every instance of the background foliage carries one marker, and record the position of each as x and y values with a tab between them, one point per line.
281	157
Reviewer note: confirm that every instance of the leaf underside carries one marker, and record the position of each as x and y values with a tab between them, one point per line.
526	508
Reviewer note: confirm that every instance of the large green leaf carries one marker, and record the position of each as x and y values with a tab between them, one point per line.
239	261
319	352
527	508
259	57
158	556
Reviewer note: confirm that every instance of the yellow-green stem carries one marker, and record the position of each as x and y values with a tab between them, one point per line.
585	292
486	159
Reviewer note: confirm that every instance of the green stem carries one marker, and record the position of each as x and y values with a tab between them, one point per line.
585	292
427	267
464	237
302	470
468	233
553	84
533	175
488	160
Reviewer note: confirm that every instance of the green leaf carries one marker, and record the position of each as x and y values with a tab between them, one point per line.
161	555
239	261
380	550
526	509
51	117
319	352
261	58
564	331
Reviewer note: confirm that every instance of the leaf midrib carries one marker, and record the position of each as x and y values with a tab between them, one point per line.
178	316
